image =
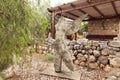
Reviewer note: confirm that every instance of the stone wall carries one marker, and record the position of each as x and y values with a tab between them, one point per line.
94	54
103	27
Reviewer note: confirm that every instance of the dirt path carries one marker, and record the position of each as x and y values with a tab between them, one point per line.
31	70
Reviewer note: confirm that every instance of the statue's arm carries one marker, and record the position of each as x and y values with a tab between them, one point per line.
76	25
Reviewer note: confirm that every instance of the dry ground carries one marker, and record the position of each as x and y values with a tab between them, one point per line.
33	66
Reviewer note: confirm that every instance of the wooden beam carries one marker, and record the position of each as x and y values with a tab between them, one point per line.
85	6
114	7
81	10
105	17
72	14
66	16
85	13
67	12
53	25
98	10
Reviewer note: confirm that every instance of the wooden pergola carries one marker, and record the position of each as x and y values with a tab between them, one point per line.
96	10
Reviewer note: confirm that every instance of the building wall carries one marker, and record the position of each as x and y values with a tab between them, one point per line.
104	27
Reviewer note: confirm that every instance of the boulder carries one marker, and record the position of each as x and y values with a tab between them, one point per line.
103	60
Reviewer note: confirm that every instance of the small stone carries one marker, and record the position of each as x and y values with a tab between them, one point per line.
81	46
93	65
82	58
103	44
102	66
92	58
103	59
82	64
76	47
79	51
87	47
105	52
86	56
76	62
96	53
96	43
107	68
71	47
75	53
90	51
115	62
93	48
98	48
79	56
83	51
82	41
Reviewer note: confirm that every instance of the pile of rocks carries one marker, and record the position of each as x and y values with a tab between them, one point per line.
91	54
40	48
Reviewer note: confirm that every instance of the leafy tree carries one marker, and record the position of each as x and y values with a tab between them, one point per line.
18	18
40	30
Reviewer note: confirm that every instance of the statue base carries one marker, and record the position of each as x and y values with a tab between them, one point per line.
64	74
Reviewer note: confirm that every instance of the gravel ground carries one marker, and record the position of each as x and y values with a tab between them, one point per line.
30	70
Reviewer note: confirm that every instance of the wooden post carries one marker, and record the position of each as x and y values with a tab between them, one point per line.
75	36
119	31
53	25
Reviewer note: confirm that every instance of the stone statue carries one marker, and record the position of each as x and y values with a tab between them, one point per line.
61	52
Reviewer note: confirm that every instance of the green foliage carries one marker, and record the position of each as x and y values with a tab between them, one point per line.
83	26
19	23
40	30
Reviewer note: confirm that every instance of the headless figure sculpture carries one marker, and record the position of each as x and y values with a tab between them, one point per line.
61	52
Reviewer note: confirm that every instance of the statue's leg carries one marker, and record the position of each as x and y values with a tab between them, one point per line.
57	62
67	58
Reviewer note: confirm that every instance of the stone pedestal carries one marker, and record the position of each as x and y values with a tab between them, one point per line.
63	75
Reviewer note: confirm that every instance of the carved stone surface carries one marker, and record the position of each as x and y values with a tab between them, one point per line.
61	52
